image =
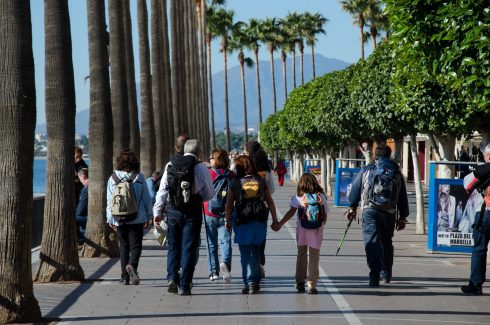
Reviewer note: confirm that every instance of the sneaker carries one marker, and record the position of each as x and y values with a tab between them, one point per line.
471	290
253	289
133	275
385	277
300	287
225	271
213	277
262	271
172	287
245	290
185	292
312	291
124	282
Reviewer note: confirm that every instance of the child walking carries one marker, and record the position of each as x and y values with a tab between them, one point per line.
311	204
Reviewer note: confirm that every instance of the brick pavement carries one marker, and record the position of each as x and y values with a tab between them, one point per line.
425	287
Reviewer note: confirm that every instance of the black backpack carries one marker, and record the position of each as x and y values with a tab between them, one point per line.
180	181
250	205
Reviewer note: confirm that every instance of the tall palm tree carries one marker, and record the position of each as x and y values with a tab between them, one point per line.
134	128
119	87
284	45
376	20
253	32
314	26
358	9
291	25
17	124
100	239
156	82
59	251
178	68
270	35
224	26
240	40
147	155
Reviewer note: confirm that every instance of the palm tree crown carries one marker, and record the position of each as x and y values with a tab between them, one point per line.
359	10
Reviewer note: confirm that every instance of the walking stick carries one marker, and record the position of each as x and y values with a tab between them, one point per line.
345	234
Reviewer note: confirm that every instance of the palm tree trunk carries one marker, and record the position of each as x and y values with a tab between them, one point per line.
204	79
100	239
284	74
189	81
59	251
210	85
301	56
156	83
178	71
293	66
18	116
257	78
244	98
119	87
313	61
271	52
361	27
420	217
134	128
166	82
227	118
148	159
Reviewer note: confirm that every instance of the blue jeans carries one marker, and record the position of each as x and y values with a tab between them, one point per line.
250	260
183	238
216	232
378	228
481	237
81	225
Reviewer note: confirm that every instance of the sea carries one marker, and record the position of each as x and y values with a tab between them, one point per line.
39	180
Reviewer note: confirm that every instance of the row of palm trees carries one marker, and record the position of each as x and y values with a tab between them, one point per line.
287	35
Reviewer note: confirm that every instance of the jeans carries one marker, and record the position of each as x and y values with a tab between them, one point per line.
130	245
81	225
183	238
250	260
378	228
481	237
216	232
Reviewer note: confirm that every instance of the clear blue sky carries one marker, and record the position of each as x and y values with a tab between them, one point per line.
340	42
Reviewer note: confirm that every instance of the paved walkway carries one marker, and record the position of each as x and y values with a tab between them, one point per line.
425	287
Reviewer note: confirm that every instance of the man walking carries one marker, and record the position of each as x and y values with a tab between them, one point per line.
380	189
186	183
82	206
481	231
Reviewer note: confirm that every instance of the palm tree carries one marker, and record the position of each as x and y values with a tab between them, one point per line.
358	9
178	68
100	240
156	82
284	45
224	26
291	25
314	26
59	251
148	159
240	40
253	33
270	34
134	128
376	20
119	88
18	120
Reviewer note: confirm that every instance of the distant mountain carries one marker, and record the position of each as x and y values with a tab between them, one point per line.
323	65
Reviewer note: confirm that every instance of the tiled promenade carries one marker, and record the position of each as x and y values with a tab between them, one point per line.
424	290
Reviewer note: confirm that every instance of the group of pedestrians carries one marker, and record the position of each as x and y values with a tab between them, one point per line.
237	203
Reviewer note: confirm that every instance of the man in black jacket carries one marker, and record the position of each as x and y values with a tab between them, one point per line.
380	188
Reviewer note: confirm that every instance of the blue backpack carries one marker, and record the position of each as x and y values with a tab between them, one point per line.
383	186
311	212
220	184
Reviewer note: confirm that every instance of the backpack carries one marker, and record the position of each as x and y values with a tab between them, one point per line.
383	185
220	184
250	206
180	181
311	212
124	207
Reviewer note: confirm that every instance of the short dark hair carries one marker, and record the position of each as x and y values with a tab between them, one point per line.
382	151
127	161
180	143
252	146
245	166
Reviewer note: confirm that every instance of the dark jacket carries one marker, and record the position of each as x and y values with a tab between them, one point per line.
82	207
356	193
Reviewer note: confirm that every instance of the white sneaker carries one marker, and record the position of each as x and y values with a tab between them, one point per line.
213	277
225	272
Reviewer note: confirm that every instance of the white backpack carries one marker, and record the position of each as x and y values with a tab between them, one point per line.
124	206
